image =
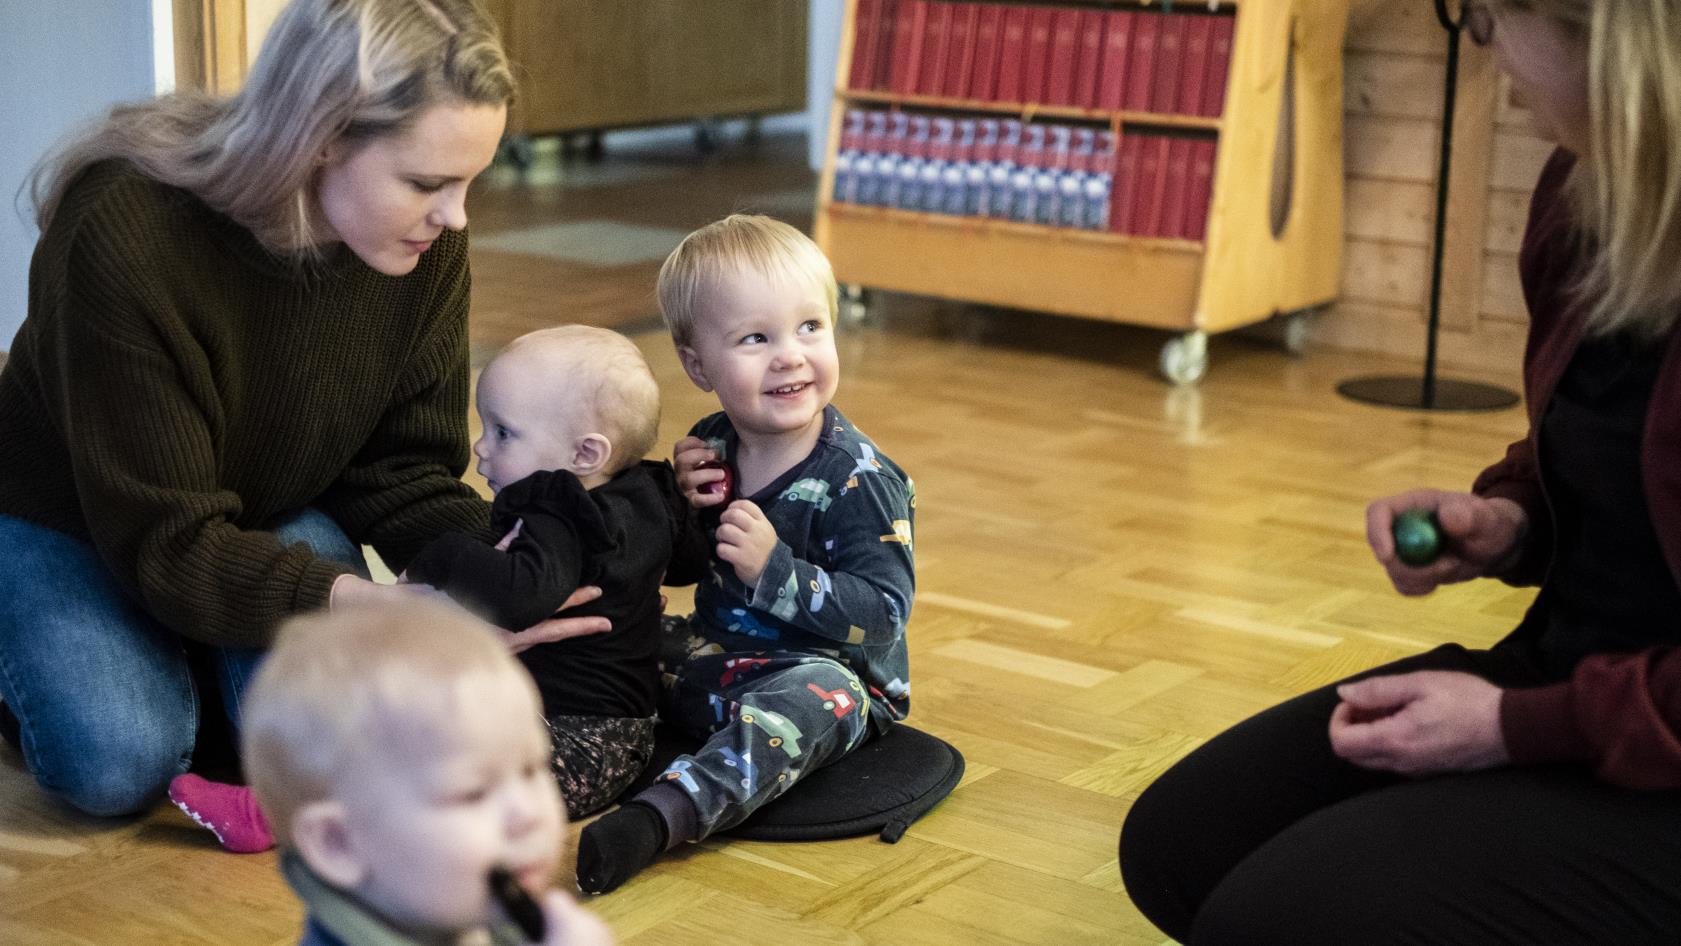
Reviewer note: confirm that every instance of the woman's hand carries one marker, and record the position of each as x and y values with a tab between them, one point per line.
557	628
1480	535
568	924
354	591
686	459
1420	723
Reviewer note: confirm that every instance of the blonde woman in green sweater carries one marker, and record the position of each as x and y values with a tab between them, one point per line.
245	356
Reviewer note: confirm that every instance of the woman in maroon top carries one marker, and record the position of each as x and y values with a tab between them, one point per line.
1530	793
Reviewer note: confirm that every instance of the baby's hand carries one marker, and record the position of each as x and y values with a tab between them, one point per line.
692	478
569	924
745	540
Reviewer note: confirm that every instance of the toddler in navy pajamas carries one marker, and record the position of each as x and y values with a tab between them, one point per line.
795	653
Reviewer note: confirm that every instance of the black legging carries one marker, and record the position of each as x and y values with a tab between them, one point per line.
1263	835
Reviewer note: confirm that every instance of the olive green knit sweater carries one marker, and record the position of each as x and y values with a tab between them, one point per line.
175	386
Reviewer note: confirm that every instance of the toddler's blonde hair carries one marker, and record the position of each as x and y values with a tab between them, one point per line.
736	244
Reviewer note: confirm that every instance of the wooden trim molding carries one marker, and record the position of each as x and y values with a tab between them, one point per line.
210	49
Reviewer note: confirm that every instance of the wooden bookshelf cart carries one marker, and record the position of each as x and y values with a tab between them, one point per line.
1273	240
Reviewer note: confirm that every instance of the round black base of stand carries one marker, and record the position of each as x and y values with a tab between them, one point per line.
1409	393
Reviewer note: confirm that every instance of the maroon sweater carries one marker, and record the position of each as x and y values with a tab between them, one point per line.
1619	712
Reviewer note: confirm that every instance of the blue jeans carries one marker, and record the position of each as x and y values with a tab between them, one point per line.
102	691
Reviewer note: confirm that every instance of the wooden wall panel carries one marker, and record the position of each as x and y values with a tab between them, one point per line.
1395	59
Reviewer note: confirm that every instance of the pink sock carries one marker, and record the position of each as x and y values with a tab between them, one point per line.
229	811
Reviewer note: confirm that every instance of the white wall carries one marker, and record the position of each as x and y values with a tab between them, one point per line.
822	50
61	63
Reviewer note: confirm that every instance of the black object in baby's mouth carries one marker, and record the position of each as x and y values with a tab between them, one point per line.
518	904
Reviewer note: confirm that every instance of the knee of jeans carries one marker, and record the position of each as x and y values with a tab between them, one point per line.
121	780
320	532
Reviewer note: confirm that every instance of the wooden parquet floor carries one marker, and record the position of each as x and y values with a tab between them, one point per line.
1110	571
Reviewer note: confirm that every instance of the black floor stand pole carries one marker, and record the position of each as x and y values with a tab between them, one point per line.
1427	393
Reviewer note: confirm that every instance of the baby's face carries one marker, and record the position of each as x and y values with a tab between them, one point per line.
526	427
434	811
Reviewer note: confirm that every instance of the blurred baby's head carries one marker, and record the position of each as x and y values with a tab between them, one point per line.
400	752
575	398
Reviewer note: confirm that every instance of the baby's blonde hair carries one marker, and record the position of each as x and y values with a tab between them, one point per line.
736	244
337	686
606	373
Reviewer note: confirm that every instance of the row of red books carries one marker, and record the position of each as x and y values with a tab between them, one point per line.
1162	186
1114	60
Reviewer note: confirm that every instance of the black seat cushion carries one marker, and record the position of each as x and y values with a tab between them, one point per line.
882	786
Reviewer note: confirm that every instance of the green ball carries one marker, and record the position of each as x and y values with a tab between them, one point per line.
1418	537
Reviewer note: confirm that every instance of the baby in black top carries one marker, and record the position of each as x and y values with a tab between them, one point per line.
568	414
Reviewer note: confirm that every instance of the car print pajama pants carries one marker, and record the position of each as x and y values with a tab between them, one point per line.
768	718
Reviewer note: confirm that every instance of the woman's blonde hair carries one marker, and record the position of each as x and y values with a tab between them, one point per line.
736	244
330	72
1626	188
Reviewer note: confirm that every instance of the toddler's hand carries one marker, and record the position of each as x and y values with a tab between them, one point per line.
569	924
745	540
686	459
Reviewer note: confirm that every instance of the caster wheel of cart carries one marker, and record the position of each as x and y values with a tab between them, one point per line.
1298	327
519	151
1184	358
854	304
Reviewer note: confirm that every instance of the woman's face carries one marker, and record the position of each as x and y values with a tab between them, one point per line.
1548	66
389	198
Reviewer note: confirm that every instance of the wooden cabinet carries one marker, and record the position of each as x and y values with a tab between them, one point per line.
593	64
1272	240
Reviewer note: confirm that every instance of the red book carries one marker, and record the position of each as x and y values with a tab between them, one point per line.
1164	94
960	59
934	49
1123	186
1219	65
983	81
1012	48
1201	192
1193	73
1065	53
1176	177
1040	23
866	26
1090	61
1141	65
1152	184
907	45
1117	44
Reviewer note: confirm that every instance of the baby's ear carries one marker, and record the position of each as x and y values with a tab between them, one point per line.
591	453
693	367
322	836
